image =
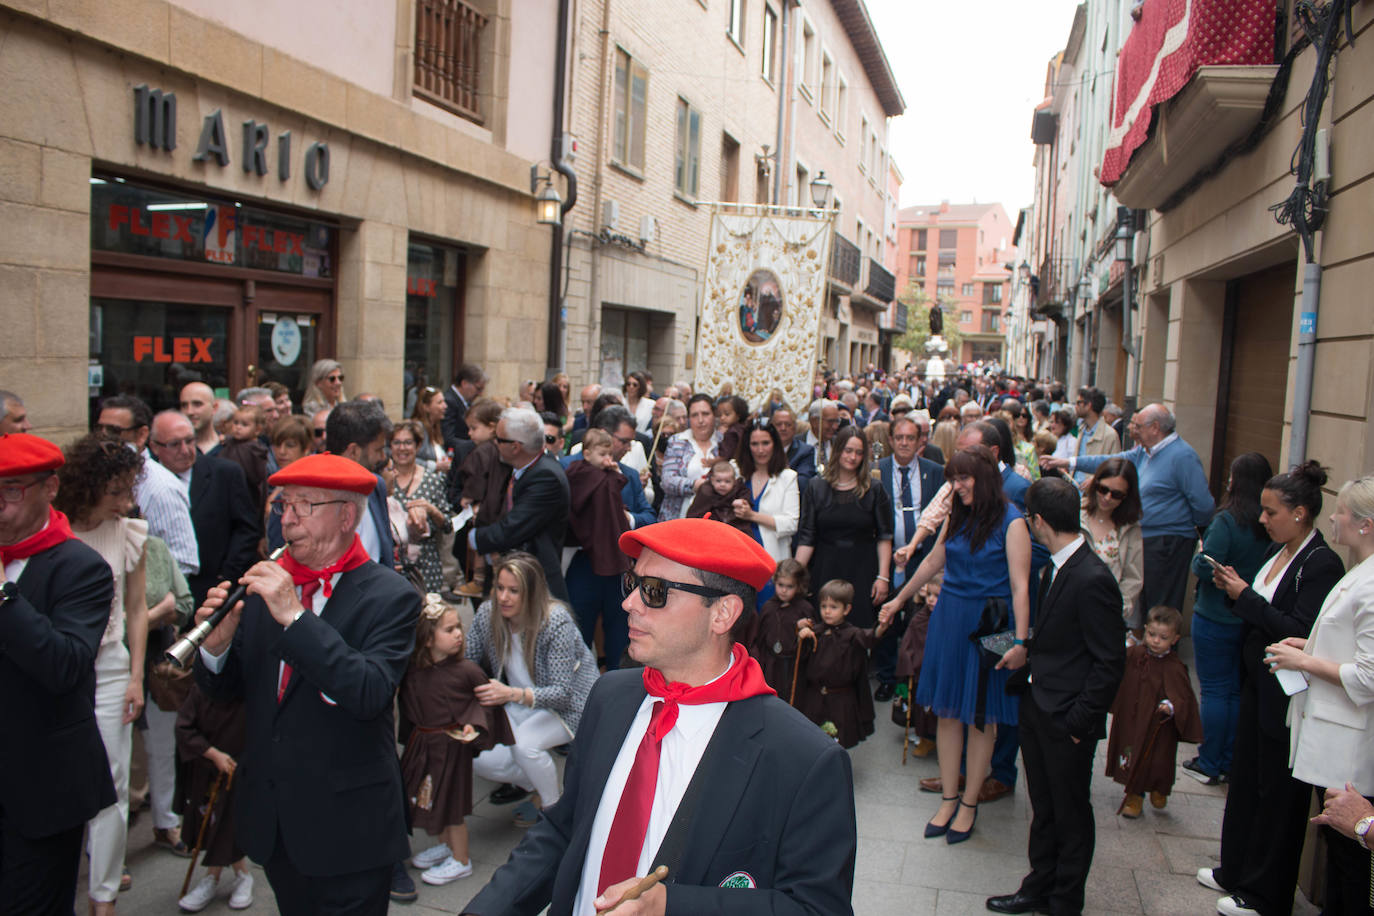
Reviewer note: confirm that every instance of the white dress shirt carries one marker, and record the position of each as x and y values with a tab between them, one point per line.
1061	556
165	502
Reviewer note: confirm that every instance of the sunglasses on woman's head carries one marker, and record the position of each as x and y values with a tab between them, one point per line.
1103	490
653	591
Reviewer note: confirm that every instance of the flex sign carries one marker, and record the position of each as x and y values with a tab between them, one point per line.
155	125
172	349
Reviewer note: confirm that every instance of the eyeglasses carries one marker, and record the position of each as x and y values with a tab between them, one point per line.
624	440
188	442
335	378
114	430
405	443
15	494
501	441
549	440
301	507
1103	490
319	433
654	591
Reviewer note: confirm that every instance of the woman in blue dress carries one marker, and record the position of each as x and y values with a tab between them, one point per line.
985	551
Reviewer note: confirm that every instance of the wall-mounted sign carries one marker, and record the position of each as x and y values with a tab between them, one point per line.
173	350
155	125
286	341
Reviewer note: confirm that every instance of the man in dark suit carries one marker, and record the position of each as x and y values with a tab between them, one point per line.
468	384
801	457
910	483
1074	667
55	596
223	512
746	802
358	430
537	499
316	652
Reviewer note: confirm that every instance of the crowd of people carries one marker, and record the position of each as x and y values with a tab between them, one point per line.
1006	559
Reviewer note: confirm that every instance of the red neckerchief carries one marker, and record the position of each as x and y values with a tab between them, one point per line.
302	574
55	532
743	680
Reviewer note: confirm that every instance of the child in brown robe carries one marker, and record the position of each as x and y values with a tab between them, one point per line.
596	516
774	642
1155	708
910	655
717	499
484	479
450	728
833	683
210	735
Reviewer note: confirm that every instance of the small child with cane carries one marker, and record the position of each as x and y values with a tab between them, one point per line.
210	735
774	644
1154	710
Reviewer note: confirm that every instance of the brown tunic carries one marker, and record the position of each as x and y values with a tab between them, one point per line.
1148	681
484	477
833	684
436	768
710	504
774	642
910	654
596	516
202	724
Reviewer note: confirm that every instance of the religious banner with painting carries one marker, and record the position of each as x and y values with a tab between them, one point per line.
761	310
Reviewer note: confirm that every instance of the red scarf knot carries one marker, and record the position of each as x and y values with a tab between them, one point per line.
744	679
57	530
302	575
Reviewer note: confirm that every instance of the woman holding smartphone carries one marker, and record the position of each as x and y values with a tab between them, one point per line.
1266	808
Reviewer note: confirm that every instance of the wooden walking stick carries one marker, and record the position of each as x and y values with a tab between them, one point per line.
796	666
1140	761
205	822
910	701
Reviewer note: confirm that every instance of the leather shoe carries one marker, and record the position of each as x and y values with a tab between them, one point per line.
932	784
507	794
1018	903
992	790
884	693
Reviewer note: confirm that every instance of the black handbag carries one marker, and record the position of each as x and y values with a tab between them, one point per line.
992	621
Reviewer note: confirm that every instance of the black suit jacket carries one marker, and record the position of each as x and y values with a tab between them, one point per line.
1297	600
1078	653
778	805
227	520
802	459
536	522
931	478
53	771
320	769
453	425
933	453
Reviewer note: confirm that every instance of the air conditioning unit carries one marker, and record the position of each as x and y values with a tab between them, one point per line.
648	229
610	214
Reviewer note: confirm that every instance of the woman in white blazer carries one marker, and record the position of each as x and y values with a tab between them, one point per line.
775	506
1332	743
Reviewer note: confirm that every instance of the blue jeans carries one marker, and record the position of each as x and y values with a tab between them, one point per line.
1216	652
598	598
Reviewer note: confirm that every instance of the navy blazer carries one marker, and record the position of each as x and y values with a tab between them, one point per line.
801	458
631	495
226	518
54	774
376	511
536	523
778	807
319	768
932	477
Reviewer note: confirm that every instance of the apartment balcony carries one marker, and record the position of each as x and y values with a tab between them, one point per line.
846	262
882	285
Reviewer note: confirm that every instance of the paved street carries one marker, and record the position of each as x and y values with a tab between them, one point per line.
1144	866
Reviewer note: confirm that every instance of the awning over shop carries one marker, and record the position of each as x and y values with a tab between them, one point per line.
1165	48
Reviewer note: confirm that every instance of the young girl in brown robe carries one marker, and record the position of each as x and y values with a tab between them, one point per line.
833	683
910	654
774	643
1154	710
210	735
450	728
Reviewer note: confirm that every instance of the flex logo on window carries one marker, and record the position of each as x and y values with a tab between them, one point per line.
183	349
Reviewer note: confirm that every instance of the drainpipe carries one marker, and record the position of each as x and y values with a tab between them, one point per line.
784	88
1307	355
554	354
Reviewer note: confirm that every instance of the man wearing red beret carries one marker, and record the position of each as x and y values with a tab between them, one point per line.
691	763
316	652
55	597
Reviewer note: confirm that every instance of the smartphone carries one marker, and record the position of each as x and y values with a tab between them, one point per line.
1292	682
1215	564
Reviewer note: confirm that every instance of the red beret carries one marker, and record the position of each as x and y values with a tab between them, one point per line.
704	544
22	453
326	472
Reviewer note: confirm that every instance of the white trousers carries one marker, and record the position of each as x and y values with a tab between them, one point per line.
160	746
109	829
528	763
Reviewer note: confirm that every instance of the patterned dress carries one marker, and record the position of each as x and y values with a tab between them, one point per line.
428	485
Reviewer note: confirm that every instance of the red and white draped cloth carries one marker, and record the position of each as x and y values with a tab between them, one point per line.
1165	48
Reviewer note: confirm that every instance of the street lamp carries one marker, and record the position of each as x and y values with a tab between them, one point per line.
548	205
1125	231
822	191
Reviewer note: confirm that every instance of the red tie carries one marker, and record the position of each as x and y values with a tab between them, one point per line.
308	590
626	840
510	493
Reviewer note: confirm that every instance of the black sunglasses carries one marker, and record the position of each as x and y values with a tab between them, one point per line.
549	440
654	591
1108	491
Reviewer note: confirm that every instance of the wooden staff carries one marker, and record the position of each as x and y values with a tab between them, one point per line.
1140	761
796	666
910	701
205	822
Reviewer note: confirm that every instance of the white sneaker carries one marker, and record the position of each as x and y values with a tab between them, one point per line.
200	895
241	898
1206	878
448	870
1232	906
430	857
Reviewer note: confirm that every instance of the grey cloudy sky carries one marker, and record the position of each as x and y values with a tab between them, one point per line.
971	73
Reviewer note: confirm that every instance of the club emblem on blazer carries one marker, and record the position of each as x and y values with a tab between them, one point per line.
739	879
